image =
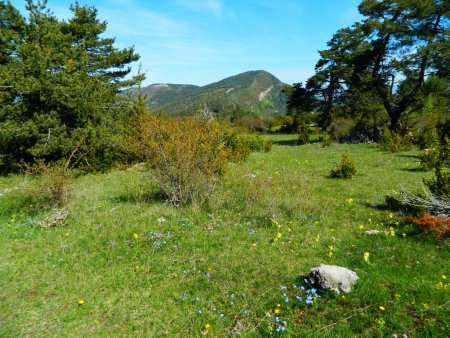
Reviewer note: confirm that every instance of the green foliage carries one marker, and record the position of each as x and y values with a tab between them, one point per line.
187	156
344	169
394	142
61	80
241	145
385	62
303	132
429	158
439	185
341	128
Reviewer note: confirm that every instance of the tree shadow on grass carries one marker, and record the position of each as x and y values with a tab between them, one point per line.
409	156
414	170
155	196
286	143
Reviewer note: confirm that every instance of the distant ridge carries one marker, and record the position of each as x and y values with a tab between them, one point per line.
255	93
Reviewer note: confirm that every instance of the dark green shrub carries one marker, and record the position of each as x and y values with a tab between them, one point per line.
344	169
440	184
303	132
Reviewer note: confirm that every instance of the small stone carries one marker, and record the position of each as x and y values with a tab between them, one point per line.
372	232
333	277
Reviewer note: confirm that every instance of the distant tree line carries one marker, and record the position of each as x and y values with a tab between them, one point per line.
59	81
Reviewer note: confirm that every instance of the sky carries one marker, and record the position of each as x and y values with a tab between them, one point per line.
203	41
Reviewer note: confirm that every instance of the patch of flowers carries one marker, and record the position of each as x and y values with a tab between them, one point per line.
159	239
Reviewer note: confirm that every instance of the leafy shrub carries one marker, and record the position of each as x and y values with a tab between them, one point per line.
345	169
241	145
429	158
50	189
188	156
440	184
440	226
394	142
341	127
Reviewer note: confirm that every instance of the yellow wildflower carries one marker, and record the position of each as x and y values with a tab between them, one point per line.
277	310
135	235
80	302
366	256
361	227
381	308
444	277
207	326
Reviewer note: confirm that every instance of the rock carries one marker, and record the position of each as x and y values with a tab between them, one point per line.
333	277
372	232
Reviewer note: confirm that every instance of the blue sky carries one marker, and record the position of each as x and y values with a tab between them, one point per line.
204	41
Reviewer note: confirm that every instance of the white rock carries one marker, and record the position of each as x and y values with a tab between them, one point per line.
333	277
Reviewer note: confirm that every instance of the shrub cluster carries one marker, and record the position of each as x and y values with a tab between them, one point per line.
394	142
344	169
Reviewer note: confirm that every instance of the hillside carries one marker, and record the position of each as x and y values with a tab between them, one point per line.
250	93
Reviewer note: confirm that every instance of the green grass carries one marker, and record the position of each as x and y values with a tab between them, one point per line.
144	268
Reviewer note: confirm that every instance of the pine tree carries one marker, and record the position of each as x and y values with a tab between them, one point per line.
66	78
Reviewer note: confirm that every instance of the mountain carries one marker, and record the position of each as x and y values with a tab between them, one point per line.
255	93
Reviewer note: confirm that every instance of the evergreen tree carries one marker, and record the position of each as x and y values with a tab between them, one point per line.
65	79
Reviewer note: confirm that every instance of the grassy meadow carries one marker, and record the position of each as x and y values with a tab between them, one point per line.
125	263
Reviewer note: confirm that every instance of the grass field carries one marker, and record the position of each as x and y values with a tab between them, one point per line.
127	264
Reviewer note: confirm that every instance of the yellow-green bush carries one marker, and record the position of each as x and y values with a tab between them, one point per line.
241	145
187	155
344	169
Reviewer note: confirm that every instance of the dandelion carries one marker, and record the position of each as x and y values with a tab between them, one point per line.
361	227
80	302
136	236
381	308
444	277
366	256
207	326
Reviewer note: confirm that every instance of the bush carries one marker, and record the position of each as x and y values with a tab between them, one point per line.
340	128
240	145
439	226
303	132
188	156
429	158
51	187
440	184
394	142
345	169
